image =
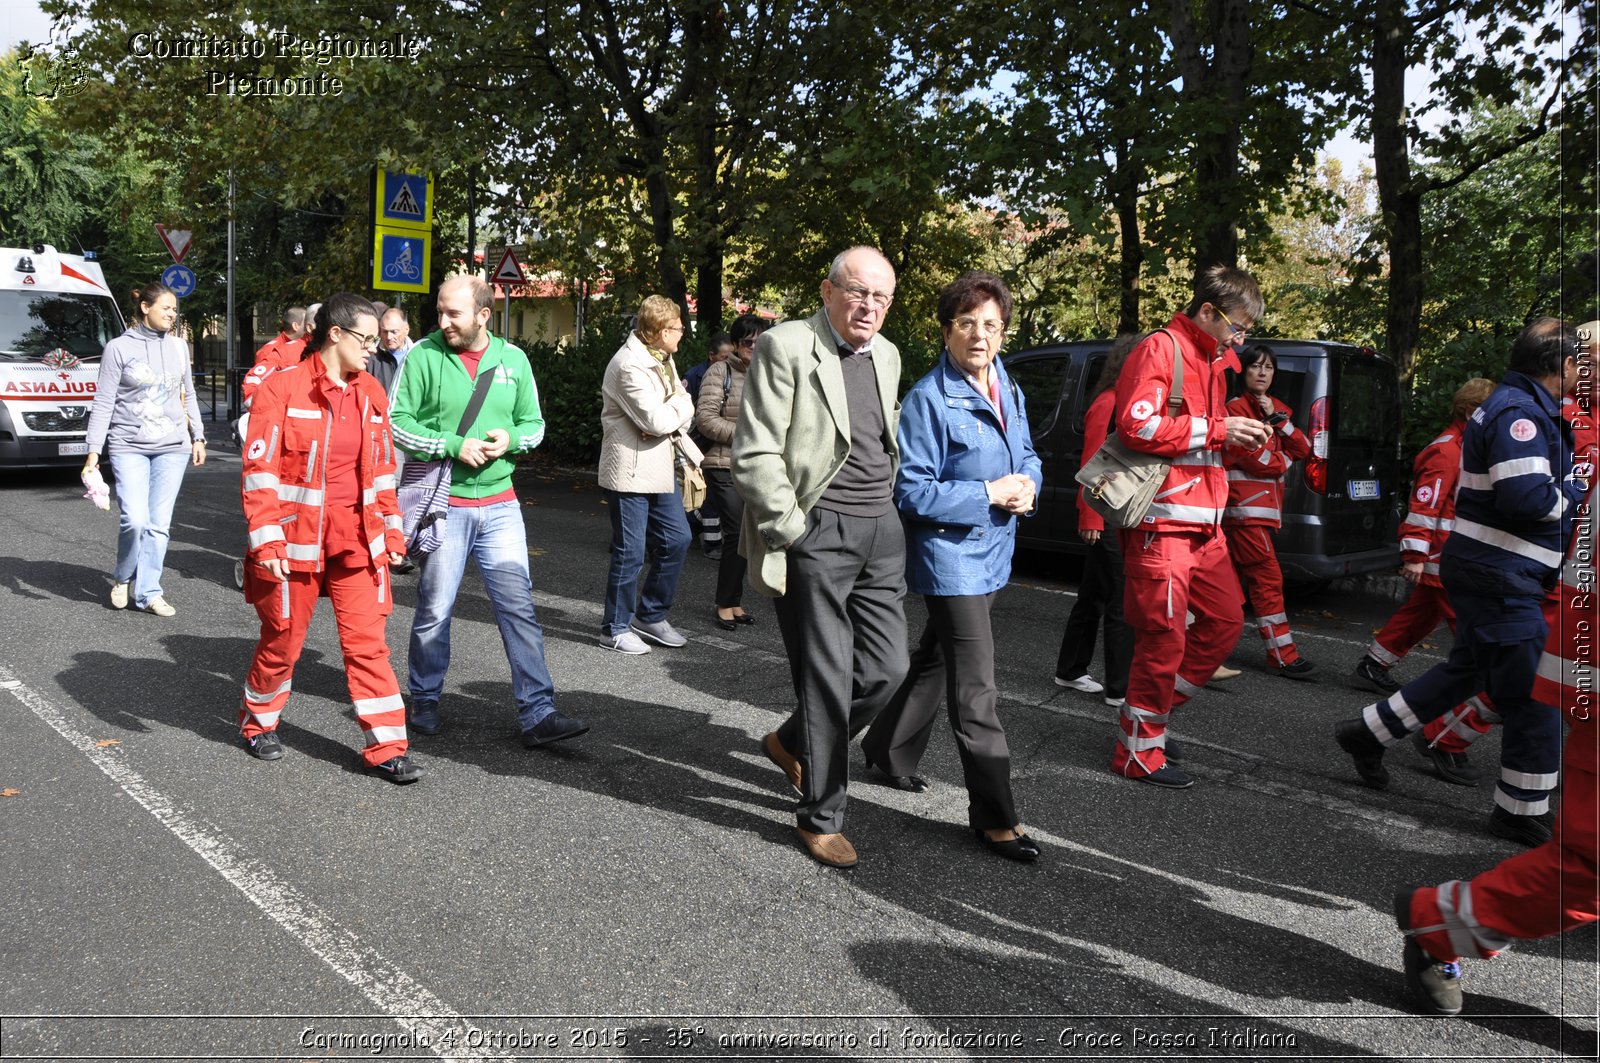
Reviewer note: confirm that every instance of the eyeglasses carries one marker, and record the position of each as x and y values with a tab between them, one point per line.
969	325
363	338
673	328
1236	330
857	294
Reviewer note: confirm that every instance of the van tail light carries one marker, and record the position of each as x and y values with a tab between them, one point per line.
1316	469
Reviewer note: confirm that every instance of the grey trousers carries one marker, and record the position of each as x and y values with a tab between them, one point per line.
844	627
954	663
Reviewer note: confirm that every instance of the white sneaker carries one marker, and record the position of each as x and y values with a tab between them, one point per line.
1084	683
661	633
158	605
627	642
1116	703
119	596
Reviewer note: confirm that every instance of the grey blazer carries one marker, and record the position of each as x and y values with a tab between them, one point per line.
794	436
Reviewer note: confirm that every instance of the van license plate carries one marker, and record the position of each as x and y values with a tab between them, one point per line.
1360	489
65	449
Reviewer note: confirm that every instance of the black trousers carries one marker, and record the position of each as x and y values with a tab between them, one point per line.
844	627
953	662
730	570
1099	595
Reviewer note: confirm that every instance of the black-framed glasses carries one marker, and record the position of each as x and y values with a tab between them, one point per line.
370	342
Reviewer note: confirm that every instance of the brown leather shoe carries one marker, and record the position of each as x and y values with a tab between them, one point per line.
834	850
783	759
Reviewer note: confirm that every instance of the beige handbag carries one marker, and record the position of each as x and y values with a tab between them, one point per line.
1120	483
691	481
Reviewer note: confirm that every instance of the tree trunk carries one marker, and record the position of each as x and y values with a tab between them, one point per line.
1216	94
1399	203
1126	194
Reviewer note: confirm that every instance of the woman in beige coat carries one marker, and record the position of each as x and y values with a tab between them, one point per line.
716	415
645	405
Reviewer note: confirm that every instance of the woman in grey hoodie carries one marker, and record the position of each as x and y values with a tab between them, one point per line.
145	409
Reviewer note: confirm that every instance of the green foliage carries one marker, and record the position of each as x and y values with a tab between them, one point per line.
569	380
1438	373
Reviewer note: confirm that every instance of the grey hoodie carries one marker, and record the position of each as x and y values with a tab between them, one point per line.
144	400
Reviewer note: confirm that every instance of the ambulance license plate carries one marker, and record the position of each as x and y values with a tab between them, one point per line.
64	449
1360	489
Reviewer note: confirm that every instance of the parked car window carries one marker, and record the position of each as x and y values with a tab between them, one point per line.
1366	406
1040	380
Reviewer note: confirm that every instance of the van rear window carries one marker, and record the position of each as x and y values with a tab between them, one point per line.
32	324
1367	405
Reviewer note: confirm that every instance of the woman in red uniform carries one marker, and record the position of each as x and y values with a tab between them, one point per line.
1255	508
319	498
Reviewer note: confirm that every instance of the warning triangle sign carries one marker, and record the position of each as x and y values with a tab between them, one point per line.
177	241
509	271
404	202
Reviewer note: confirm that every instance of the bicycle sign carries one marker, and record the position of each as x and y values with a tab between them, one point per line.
401	259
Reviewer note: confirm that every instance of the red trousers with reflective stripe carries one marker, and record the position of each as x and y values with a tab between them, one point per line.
361	607
1544	891
1256	563
1167	575
1411	623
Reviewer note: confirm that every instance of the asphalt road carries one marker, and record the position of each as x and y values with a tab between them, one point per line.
639	893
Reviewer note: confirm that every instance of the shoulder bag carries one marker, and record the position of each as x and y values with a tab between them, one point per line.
1120	483
425	488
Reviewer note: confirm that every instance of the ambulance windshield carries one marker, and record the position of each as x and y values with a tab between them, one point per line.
34	325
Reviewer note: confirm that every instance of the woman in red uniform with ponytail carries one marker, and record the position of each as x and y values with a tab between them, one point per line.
319	498
1255	508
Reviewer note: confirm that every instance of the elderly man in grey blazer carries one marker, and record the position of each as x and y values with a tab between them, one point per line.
814	459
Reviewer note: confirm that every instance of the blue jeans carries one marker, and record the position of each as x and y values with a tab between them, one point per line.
495	538
635	520
147	488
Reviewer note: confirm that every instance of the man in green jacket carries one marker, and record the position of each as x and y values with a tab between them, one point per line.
485	519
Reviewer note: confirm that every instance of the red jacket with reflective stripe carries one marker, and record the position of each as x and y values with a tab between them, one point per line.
279	353
1255	477
1096	426
285	468
1196	489
1433	503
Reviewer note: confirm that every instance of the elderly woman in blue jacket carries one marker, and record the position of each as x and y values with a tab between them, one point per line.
967	470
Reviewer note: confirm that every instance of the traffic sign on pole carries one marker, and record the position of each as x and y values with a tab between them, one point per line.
180	279
401	259
509	271
177	241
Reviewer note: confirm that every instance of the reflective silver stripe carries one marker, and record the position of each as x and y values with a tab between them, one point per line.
1287	428
394	521
1133	712
257	481
1505	470
1273	618
306	496
272	533
384	482
306	415
1562	502
1381	655
1511	544
1148	429
1139	745
1199	429
1563	672
1169	492
385	734
304	552
1483	712
383	583
1252	498
1530	780
376	706
1431	567
269	720
376	546
1182	686
283	596
1237	475
369	496
1281	640
272	444
1422	520
256	697
311	459
1474	481
1375	724
1191	514
1467	938
1252	513
1419	546
1536	807
1199	458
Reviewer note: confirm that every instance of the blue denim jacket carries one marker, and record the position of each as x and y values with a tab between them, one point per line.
951	443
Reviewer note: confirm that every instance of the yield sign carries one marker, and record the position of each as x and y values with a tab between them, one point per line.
509	271
177	241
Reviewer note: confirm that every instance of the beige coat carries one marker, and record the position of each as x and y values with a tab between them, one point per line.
716	421
637	417
794	435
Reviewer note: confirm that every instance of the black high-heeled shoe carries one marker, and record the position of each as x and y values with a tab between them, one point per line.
724	623
911	784
1022	848
744	618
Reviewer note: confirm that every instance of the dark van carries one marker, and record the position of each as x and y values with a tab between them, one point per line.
1341	506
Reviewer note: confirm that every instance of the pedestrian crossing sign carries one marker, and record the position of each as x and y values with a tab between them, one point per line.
403	199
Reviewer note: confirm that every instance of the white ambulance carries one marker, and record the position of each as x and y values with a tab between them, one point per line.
56	316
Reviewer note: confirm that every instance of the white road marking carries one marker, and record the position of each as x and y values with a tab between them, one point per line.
388	987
